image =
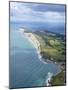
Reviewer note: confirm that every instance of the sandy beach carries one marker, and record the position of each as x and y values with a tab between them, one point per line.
31	38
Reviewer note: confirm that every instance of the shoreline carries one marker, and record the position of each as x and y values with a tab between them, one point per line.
32	39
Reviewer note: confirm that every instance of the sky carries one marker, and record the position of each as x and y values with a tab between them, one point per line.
36	12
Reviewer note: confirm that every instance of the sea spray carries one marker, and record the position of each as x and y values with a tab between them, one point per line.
49	76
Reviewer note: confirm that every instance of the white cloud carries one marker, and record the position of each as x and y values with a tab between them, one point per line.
21	12
54	16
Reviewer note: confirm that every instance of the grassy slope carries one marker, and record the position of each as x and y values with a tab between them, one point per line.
53	48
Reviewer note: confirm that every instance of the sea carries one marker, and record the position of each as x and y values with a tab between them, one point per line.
25	67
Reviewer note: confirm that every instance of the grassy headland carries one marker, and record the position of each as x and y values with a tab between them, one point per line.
59	79
52	47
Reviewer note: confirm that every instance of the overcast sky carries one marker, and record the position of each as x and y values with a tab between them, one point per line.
34	12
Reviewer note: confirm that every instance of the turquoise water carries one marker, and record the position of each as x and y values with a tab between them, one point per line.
26	69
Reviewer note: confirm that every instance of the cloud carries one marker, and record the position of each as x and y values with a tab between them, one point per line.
26	13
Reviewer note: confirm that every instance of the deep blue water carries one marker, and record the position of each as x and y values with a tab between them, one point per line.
26	69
